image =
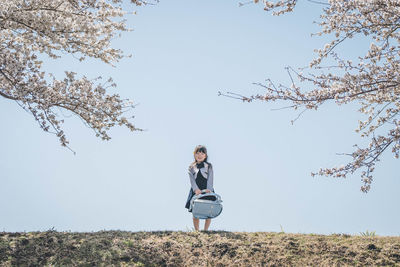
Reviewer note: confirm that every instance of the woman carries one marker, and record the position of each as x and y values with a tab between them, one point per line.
201	177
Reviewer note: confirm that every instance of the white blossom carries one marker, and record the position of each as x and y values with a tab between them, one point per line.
83	28
373	81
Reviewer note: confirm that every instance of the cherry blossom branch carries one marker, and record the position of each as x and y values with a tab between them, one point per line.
373	81
47	27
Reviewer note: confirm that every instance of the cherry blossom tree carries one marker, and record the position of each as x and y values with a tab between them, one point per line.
34	29
371	80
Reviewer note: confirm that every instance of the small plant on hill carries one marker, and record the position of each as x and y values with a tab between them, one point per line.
367	233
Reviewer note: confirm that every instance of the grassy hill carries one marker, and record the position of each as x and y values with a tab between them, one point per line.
214	248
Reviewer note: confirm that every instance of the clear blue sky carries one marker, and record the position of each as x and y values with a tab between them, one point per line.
184	52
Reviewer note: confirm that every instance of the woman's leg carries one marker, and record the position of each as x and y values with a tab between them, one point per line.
207	224
196	223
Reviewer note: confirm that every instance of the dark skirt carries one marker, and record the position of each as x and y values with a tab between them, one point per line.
191	194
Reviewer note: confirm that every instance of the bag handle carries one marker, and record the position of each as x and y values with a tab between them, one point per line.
204	194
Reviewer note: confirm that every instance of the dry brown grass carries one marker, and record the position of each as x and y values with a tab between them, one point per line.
214	248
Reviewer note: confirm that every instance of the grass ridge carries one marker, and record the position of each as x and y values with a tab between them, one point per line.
212	248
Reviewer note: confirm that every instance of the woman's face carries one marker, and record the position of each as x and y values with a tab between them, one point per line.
200	156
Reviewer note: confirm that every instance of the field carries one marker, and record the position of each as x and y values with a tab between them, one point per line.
213	248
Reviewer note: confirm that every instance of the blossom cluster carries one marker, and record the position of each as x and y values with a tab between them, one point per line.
373	81
84	28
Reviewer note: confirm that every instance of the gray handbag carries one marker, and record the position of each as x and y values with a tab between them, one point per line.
204	208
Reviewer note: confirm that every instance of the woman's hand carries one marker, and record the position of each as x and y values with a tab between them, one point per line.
197	191
208	191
